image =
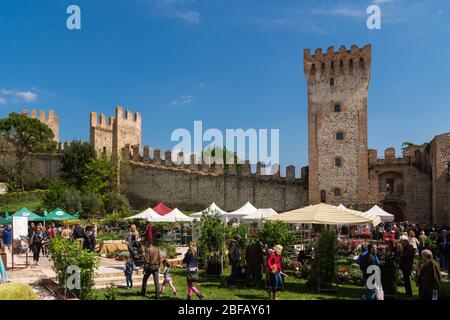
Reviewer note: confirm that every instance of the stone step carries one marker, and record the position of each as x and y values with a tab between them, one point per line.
104	282
116	273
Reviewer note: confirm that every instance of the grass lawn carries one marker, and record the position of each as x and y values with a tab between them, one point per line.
214	289
16	291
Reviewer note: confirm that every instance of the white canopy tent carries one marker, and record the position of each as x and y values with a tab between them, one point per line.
384	216
260	214
212	208
145	215
326	214
178	216
243	211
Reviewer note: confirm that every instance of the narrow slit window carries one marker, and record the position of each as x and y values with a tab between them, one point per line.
332	82
338	162
323	196
337	108
339	136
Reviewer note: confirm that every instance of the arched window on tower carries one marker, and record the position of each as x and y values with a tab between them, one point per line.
448	169
361	62
313	69
341	66
351	64
323	196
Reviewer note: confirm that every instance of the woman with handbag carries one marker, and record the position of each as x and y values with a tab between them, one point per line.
191	261
274	266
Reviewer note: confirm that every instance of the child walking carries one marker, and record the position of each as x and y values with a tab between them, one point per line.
167	277
128	270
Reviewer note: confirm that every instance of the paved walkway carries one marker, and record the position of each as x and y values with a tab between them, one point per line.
110	271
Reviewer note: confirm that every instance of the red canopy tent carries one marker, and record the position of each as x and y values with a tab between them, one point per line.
162	209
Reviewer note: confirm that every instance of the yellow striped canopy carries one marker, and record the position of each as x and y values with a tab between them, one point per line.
326	214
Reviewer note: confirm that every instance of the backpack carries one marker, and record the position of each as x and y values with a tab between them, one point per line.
136	253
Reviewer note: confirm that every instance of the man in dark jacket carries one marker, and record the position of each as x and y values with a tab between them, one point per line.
7	237
429	277
89	242
254	258
234	256
78	235
406	264
151	267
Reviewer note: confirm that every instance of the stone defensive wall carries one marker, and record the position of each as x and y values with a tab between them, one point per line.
194	187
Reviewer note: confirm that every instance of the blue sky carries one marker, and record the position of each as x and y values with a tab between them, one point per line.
229	63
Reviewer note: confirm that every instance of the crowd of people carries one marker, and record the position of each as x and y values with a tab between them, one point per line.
39	237
419	257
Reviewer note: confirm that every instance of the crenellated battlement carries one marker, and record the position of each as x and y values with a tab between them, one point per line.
412	155
187	163
128	116
102	122
109	135
50	119
341	62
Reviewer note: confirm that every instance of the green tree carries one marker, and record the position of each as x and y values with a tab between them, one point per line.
276	232
21	136
55	195
73	162
91	205
115	202
100	176
323	268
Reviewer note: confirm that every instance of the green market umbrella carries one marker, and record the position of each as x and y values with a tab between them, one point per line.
24	212
59	214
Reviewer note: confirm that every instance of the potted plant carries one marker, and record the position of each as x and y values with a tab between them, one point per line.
211	241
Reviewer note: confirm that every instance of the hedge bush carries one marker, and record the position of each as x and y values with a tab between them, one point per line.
65	253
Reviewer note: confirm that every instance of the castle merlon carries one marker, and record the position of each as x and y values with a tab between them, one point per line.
336	62
186	162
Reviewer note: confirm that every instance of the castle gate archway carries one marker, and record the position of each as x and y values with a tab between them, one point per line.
396	208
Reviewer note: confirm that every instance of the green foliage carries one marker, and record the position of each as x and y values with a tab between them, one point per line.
276	232
13	201
115	202
209	154
73	162
20	136
100	176
55	195
430	244
211	242
325	255
168	249
114	220
350	275
242	230
17	291
64	253
91	205
111	292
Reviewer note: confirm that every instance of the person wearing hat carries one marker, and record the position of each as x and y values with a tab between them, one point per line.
234	256
406	263
275	269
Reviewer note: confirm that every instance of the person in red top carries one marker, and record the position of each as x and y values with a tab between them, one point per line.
274	264
149	233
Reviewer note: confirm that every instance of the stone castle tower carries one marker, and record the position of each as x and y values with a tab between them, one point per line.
51	120
337	124
121	131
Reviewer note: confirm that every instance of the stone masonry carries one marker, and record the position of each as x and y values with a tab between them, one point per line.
123	130
337	124
414	187
51	120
